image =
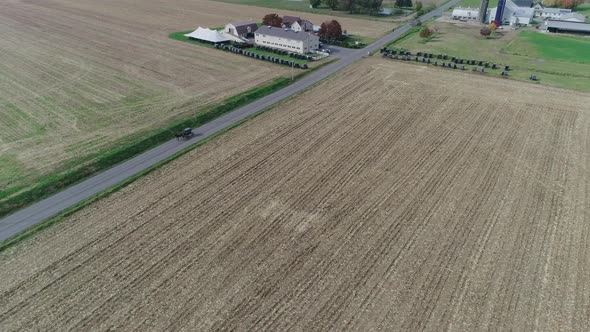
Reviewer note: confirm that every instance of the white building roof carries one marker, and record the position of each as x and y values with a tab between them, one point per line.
207	35
519	11
284	33
569	26
556	10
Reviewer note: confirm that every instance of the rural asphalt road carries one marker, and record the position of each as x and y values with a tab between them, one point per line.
53	205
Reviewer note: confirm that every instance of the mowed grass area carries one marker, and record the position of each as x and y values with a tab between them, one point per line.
557	60
551	46
476	3
584	10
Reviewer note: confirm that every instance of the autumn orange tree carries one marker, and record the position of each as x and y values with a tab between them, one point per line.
330	31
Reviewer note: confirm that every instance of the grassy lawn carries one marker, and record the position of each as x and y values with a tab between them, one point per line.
475	3
584	10
361	39
560	61
555	47
180	36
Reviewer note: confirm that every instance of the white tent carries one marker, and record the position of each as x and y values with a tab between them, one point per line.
207	35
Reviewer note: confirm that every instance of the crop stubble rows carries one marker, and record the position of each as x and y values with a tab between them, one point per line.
382	198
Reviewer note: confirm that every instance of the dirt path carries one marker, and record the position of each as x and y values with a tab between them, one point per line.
390	196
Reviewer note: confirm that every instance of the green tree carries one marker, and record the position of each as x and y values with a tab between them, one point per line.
403	3
332	4
315	3
426	32
349	5
418	6
370	6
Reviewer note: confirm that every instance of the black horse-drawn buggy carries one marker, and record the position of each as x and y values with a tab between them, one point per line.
185	134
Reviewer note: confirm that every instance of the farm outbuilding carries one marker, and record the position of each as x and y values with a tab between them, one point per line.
465	14
551	13
207	35
241	29
572	17
572	27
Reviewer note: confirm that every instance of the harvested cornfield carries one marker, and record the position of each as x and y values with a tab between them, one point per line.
390	196
80	77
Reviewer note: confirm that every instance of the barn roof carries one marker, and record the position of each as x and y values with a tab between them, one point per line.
523	3
556	10
291	19
569	26
576	16
283	33
242	26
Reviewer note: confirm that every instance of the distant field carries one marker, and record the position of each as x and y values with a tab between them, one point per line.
303	6
527	52
388	197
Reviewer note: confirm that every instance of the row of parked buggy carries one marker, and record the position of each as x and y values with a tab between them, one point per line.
285	52
450	64
456	60
254	55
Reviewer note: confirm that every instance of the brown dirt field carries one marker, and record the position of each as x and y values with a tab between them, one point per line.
390	196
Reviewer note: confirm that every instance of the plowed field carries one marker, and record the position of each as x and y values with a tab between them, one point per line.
390	196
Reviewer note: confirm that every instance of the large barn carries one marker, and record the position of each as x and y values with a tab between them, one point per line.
288	40
513	14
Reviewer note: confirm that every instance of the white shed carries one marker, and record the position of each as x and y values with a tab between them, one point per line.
465	14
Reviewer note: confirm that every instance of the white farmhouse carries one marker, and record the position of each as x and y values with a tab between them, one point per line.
285	39
302	25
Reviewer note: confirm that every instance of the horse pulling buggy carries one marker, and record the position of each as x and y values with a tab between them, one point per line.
185	134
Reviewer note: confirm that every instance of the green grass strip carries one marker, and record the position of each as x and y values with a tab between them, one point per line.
54	183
